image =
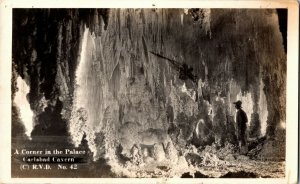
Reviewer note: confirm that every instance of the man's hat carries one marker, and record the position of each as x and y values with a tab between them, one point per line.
239	103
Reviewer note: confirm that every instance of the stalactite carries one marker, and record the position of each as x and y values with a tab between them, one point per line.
118	83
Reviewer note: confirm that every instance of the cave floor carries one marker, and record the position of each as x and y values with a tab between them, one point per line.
262	169
239	168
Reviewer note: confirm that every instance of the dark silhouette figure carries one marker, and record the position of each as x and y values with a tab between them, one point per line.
241	120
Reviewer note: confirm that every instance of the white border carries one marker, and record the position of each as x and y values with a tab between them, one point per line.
5	78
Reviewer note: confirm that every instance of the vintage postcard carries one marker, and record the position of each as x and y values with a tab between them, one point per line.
186	92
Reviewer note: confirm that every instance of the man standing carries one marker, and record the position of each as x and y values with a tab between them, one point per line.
241	120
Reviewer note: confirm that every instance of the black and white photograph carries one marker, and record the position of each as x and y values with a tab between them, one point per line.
149	93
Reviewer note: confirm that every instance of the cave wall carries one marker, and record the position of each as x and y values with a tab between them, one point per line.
234	53
233	59
45	50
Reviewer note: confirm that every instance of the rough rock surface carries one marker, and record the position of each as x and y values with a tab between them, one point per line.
91	76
